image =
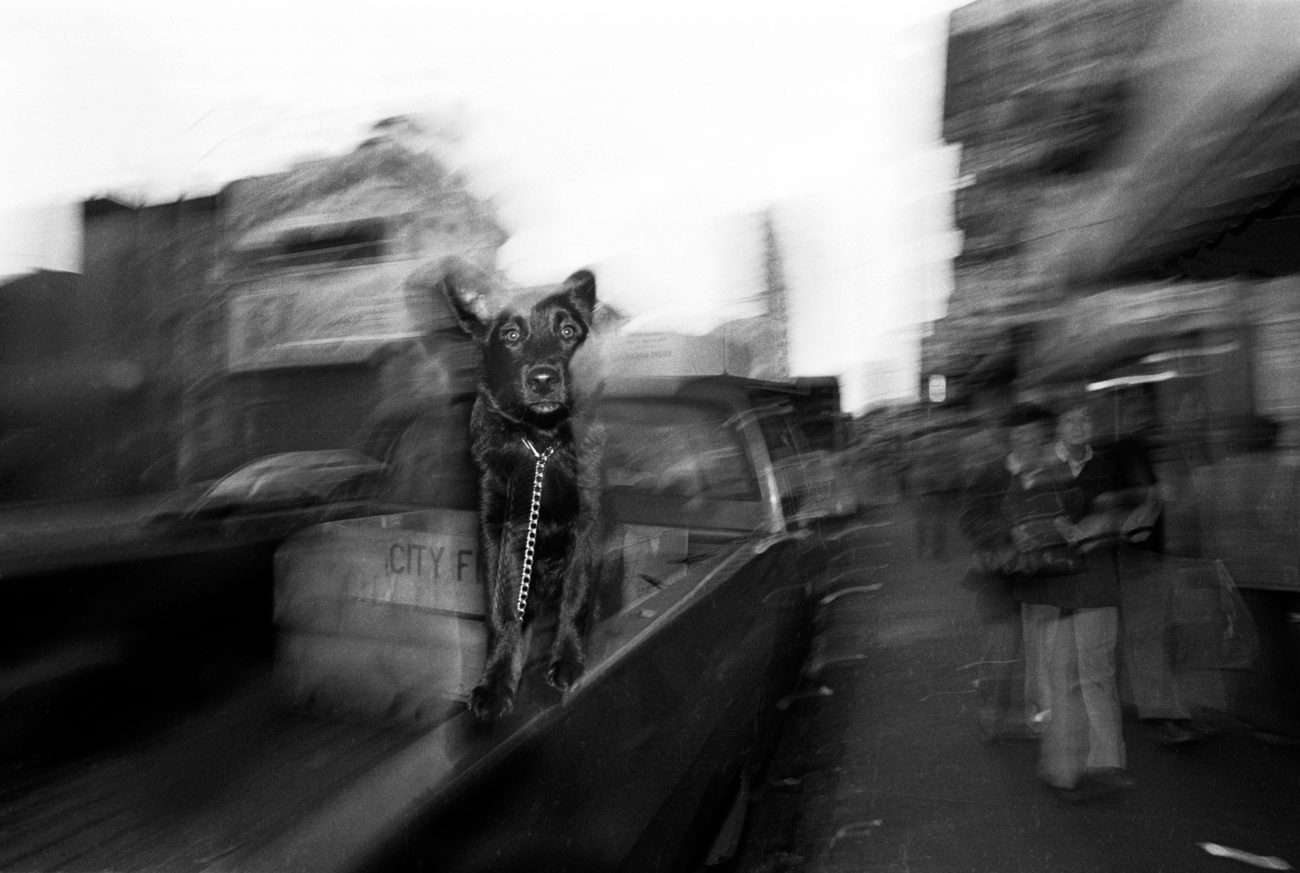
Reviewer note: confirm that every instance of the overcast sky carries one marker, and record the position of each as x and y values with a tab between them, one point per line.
627	135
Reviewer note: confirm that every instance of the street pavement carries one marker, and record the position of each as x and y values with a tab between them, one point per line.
881	767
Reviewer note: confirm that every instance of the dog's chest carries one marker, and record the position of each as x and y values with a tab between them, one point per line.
557	498
557	510
559	495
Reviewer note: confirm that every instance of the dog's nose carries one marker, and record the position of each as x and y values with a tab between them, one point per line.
543	380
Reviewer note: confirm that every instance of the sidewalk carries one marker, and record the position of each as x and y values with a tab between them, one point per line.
881	768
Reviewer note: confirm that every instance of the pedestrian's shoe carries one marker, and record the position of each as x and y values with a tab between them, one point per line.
994	729
1171	732
1073	795
1017	731
1109	779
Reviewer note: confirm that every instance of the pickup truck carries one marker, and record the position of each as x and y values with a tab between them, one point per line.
350	747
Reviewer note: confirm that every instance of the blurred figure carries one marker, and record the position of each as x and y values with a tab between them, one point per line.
936	474
1185	464
1146	588
1074	613
1025	434
982	445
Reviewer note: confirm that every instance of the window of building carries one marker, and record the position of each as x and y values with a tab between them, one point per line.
343	243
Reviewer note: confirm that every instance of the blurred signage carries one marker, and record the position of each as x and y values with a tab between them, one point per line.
938	389
1101	330
665	354
374	609
336	316
1277	349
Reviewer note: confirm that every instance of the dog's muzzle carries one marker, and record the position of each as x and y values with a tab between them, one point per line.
544	385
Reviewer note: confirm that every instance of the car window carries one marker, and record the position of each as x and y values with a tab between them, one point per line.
783	441
675	448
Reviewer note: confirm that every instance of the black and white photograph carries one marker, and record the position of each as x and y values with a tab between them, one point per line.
845	436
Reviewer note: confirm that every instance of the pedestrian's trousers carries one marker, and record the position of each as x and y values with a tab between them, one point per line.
1085	728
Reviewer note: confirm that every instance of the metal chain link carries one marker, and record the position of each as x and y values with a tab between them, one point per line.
534	515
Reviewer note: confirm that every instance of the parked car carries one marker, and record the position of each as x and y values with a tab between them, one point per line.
284	483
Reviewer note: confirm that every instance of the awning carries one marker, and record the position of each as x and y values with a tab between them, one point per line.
1214	137
1096	333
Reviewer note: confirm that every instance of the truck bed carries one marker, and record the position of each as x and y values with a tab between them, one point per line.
225	779
246	782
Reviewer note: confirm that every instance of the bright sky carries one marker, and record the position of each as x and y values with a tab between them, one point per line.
633	136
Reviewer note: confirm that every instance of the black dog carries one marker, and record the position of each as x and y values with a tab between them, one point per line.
538	456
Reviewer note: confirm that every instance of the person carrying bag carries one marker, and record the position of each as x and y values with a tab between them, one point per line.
996	565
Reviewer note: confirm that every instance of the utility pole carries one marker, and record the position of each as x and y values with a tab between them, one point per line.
775	296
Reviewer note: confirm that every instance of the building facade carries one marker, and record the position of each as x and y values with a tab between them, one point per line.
323	325
1131	208
1036	93
286	312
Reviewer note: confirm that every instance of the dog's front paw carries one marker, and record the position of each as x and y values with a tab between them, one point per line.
565	671
490	703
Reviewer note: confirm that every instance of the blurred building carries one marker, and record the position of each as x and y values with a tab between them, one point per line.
283	313
1131	218
1036	93
150	267
1128	171
56	407
94	364
323	323
758	345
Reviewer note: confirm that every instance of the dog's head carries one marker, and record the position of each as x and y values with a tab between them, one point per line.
527	343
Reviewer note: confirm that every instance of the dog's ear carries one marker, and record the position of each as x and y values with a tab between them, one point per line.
581	291
468	290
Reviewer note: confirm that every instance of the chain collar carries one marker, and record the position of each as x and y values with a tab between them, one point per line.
534	514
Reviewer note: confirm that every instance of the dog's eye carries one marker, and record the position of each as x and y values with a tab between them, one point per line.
568	331
511	334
